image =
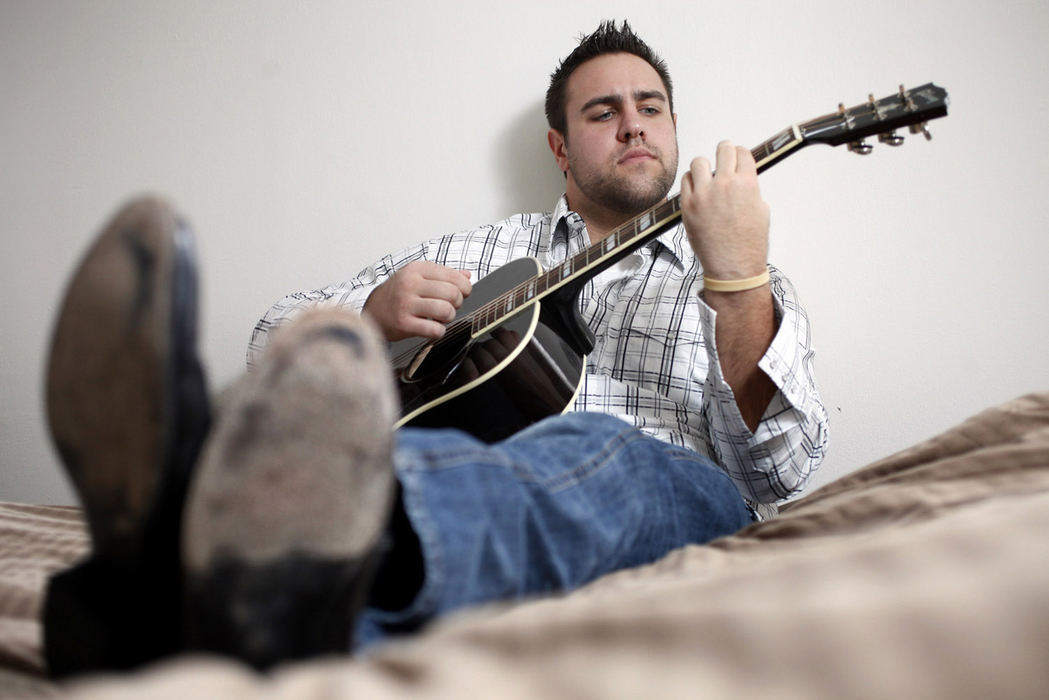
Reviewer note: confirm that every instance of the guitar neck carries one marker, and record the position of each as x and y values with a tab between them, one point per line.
851	126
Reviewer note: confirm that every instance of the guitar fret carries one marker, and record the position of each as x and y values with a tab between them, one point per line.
549	279
782	140
628	233
645	221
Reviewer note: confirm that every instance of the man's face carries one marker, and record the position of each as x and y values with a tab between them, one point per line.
620	147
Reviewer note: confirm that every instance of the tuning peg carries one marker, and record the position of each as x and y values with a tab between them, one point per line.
861	147
845	116
921	128
875	109
905	97
891	138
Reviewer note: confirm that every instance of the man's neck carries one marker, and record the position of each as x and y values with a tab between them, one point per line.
598	231
599	221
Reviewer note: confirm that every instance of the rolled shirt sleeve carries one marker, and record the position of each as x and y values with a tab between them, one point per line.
778	458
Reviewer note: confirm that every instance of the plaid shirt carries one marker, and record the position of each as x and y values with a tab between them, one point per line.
654	364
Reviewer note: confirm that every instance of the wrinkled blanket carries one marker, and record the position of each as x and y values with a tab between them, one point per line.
924	575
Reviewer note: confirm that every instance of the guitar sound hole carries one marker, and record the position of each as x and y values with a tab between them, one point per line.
437	359
417	362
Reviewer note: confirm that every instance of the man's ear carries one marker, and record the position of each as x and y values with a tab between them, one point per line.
559	147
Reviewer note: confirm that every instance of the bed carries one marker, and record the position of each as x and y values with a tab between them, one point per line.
923	575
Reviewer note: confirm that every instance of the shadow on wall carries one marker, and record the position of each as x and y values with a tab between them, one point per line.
529	178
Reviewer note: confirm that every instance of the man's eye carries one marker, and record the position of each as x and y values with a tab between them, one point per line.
603	116
650	110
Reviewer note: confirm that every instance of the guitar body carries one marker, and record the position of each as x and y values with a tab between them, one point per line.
525	368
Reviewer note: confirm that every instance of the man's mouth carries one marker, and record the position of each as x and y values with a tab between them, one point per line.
636	155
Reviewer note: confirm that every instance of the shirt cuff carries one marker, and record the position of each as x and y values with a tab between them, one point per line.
786	361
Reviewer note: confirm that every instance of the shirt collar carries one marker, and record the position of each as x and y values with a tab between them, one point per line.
675	241
567	230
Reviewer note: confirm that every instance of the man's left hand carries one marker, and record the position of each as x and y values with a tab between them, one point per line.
725	217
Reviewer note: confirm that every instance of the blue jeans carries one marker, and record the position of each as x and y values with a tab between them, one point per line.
550	509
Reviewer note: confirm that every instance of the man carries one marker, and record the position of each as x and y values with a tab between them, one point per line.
308	522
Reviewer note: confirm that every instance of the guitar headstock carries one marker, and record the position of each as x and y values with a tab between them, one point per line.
911	108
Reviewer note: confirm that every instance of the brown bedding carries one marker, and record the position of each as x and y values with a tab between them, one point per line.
924	575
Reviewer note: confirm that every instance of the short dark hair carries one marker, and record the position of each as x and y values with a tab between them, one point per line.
606	39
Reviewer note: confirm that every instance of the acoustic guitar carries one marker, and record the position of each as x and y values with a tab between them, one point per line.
516	350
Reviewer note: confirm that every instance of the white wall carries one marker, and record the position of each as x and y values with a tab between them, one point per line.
305	139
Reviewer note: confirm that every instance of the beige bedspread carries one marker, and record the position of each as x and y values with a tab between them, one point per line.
924	575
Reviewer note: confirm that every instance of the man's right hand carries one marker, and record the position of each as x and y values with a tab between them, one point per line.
418	300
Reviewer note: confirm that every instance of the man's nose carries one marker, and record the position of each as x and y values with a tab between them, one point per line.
631	128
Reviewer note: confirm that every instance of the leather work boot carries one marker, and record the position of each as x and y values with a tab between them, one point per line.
286	517
127	409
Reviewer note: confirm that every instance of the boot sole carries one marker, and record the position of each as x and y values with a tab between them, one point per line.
120	404
127	410
293	496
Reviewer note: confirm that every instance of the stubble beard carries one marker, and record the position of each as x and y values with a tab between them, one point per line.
625	194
